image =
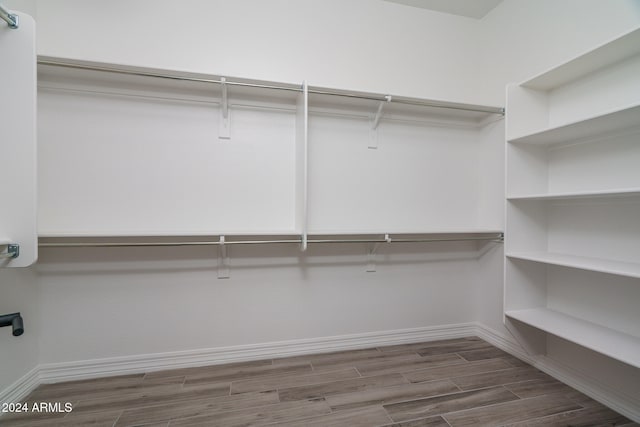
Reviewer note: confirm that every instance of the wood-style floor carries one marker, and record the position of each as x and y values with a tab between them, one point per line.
459	382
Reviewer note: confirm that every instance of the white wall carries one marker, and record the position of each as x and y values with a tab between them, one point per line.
117	302
358	44
19	355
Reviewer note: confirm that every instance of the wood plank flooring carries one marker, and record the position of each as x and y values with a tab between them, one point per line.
458	382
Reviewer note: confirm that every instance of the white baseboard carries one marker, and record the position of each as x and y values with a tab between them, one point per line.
21	388
78	370
86	369
625	404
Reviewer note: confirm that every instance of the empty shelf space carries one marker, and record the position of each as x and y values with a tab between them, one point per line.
619	192
602	124
620	268
612	343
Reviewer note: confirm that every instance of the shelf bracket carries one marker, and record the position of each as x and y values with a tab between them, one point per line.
223	259
373	133
13	251
12	20
371	254
224	131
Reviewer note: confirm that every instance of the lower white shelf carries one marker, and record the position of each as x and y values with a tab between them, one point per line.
612	343
620	268
618	192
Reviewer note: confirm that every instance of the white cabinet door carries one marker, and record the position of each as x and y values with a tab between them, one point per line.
18	142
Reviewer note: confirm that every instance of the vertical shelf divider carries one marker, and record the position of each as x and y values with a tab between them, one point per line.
302	136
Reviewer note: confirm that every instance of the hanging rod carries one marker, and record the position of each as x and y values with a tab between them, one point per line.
415	102
499	238
11	19
124	71
317	91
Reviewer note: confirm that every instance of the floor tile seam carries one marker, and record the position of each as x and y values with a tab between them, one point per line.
561	393
239	411
498	370
109	395
502	384
277	389
174	398
415	419
117	418
450	352
460	376
546	416
394	402
351	379
259	375
320	416
147	406
537	395
443	415
409	399
454	363
363	363
459	361
206	414
463	391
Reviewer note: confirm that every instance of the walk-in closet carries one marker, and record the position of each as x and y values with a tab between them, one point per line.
320	213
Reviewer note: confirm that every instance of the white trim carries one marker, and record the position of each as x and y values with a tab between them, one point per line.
623	403
22	387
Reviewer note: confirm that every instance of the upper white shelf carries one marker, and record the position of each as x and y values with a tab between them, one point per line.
608	53
601	124
618	192
612	343
620	268
398	231
163	233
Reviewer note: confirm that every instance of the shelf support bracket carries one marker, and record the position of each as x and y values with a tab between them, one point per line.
223	259
13	251
225	121
371	254
373	139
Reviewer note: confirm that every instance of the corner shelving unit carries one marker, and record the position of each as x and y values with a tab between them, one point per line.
572	246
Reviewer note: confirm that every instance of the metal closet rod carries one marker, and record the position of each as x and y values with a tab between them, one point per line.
381	98
497	238
10	18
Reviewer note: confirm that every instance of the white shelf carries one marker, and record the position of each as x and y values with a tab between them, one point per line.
200	233
395	232
608	53
620	268
177	233
601	124
620	192
618	345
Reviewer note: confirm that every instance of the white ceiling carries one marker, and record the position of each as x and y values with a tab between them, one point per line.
470	8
